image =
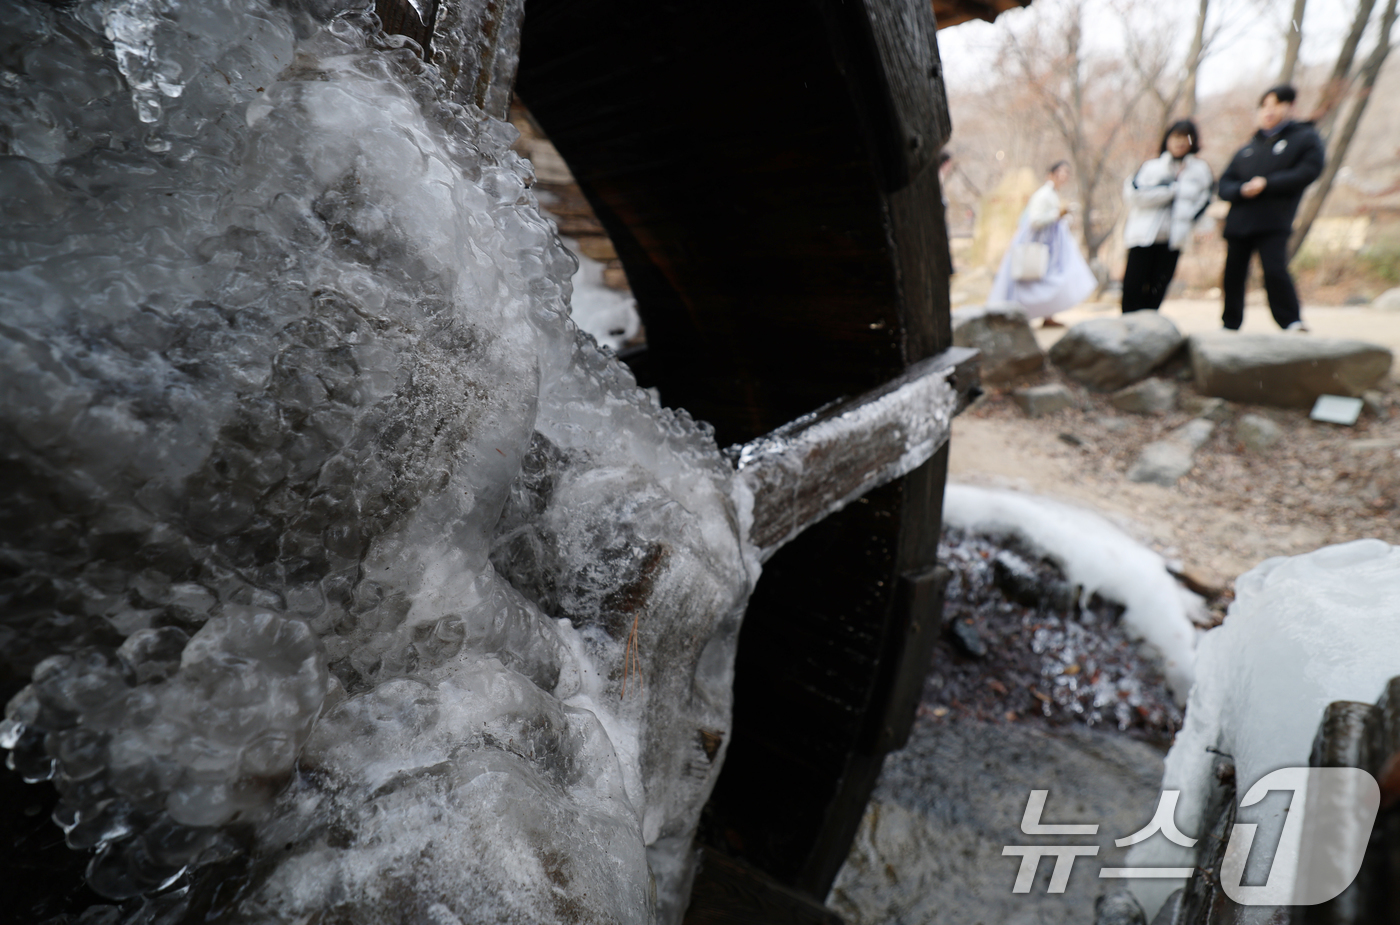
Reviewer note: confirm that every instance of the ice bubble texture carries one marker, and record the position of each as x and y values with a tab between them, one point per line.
329	544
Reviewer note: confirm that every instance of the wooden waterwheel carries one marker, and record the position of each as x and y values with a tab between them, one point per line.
769	184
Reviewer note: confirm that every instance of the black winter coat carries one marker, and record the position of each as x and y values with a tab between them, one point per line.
1289	160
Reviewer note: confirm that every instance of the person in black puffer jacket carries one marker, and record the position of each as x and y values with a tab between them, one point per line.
1264	184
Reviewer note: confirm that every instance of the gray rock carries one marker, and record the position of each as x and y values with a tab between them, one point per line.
1284	370
930	846
1016	579
1040	400
1002	333
1192	434
1375	403
1165	461
1108	353
1118	908
1161	463
1257	433
1150	396
1388	301
1113	424
966	637
1212	409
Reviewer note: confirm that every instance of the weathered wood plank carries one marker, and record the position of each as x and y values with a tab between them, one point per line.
904	36
727	892
399	17
952	12
817	465
784	256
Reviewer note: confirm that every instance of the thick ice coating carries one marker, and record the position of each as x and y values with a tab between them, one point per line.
330	544
1303	631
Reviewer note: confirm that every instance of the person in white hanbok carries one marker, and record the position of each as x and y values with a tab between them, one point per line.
1067	279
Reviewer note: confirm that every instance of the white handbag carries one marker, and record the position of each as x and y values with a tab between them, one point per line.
1029	261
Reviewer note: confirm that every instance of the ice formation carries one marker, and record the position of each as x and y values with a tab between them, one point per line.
610	316
1303	631
329	543
1096	556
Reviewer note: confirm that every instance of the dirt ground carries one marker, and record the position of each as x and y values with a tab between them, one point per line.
1320	484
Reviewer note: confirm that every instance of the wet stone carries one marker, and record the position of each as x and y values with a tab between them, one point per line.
964	634
1016	579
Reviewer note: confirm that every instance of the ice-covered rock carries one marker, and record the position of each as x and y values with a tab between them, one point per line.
1303	631
331	544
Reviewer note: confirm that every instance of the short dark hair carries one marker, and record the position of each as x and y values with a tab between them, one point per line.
1284	93
1057	165
1182	127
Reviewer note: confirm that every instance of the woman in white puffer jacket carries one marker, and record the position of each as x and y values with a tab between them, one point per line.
1165	197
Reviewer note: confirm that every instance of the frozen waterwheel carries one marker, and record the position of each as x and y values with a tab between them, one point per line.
253	511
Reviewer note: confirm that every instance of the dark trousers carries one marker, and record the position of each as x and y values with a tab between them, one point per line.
1273	256
1147	275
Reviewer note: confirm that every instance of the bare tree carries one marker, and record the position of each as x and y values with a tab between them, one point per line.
1194	56
1086	103
1293	42
1171	83
1337	145
1339	82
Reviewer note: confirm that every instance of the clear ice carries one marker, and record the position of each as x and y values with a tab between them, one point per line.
341	562
1302	632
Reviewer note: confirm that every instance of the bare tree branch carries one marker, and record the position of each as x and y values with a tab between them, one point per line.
1337	85
1293	43
1193	58
1366	80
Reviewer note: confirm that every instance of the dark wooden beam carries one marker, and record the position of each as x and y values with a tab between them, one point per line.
953	12
783	235
728	892
818	464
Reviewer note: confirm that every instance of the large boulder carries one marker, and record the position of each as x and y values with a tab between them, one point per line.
1107	354
1388	301
1002	333
1284	370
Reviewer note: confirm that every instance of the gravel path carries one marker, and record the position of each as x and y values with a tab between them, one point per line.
1320	484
